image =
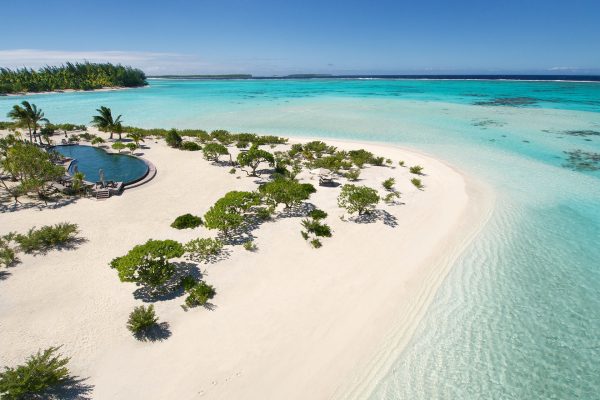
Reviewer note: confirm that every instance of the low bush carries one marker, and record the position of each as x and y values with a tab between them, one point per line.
7	254
141	319
317	214
199	294
186	221
41	372
416	169
417	182
232	171
191	146
173	139
377	161
203	249
391	198
359	199
316	228
352	175
388	184
250	246
316	243
401	163
47	237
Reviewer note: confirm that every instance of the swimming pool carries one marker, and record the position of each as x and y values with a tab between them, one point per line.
117	167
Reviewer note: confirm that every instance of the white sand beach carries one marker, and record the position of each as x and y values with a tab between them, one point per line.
289	321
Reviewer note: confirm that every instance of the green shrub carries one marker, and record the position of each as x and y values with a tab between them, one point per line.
388	184
417	182
304	235
131	146
141	319
317	228
173	139
199	294
190	146
222	136
286	191
391	197
360	157
359	199
148	263
232	171
388	161
250	245
118	145
212	151
203	249
401	163
186	221
47	237
377	161
230	211
187	282
352	175
264	213
417	170
316	243
42	371
317	214
7	254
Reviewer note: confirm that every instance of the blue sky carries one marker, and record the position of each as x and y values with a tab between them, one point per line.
283	37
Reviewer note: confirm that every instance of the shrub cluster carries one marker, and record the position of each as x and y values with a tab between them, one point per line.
359	199
41	372
203	249
199	294
314	228
186	221
190	146
47	237
142	319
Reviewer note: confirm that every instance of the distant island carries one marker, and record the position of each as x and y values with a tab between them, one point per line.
221	76
75	76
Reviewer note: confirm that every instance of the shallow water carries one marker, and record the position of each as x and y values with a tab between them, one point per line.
519	315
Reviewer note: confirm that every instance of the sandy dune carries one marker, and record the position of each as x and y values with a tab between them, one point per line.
290	322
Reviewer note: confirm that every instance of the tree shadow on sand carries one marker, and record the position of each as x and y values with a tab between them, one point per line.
374	216
155	333
52	204
172	289
74	388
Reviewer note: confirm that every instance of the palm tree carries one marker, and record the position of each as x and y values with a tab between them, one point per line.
105	122
28	115
136	137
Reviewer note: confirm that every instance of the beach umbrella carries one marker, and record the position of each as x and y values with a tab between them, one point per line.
101	174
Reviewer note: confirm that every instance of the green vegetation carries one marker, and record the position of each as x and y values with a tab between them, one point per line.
79	76
254	157
203	249
360	157
118	145
222	136
131	147
359	199
142	319
105	122
352	175
30	165
212	151
173	139
286	191
250	245
388	184
136	137
186	221
190	146
42	371
417	182
47	237
391	197
199	294
29	116
8	255
315	228
230	212
148	263
97	140
417	170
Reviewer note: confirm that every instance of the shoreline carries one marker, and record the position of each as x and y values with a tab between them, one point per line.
273	316
104	89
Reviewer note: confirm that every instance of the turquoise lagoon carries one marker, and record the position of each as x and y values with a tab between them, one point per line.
518	317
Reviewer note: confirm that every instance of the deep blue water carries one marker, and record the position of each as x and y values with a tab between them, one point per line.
117	167
518	317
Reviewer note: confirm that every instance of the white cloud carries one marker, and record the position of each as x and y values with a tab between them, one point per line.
150	62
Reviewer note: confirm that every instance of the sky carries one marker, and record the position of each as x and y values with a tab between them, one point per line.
286	37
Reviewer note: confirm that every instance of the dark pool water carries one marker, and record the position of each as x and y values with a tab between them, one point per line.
116	167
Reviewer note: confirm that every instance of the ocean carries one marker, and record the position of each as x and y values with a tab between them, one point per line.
518	316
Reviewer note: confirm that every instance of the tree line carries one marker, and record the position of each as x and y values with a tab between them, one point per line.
79	76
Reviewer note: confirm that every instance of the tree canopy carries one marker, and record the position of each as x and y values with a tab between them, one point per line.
148	263
253	157
212	151
79	76
229	212
28	116
105	122
286	191
359	199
